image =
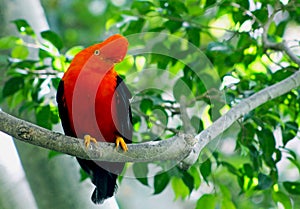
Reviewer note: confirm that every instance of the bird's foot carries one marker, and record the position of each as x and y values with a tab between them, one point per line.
88	139
120	141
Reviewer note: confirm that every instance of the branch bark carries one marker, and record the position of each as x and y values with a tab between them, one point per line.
175	148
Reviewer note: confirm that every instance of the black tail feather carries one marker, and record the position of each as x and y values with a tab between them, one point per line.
97	197
103	176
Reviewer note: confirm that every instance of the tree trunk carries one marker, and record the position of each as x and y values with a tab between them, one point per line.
14	191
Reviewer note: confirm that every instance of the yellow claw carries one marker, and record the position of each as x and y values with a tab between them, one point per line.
88	139
120	141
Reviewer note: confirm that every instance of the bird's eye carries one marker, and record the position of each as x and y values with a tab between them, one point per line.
97	52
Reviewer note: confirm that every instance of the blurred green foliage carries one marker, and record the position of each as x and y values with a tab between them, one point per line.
229	34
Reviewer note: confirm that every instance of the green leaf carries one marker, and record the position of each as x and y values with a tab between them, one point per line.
261	14
177	7
25	64
181	89
292	187
16	99
295	162
194	36
12	86
146	106
197	123
136	122
243	4
179	188
289	131
140	171
55	82
205	169
239	17
221	54
175	171
123	67
283	199
255	157
246	135
83	175
172	25
227	204
280	29
195	8
194	172
20	52
160	114
9	42
53	154
207	201
244	41
70	54
160	182
209	3
181	7
53	38
143	7
176	68
291	153
272	118
264	181
282	74
54	118
248	170
23	27
225	191
44	54
230	168
134	27
272	28
267	142
59	63
43	117
188	180
27	107
161	60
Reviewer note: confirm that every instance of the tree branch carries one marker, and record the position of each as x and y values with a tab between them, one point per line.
175	148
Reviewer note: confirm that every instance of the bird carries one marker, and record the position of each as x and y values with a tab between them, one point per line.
94	105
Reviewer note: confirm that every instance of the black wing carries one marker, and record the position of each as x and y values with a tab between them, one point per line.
63	110
124	125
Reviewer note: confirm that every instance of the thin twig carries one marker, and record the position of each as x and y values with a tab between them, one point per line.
281	46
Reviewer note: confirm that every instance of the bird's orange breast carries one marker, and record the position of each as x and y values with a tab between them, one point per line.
91	104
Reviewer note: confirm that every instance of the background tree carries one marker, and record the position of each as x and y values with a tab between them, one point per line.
252	45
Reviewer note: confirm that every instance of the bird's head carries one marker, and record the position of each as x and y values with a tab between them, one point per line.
113	49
